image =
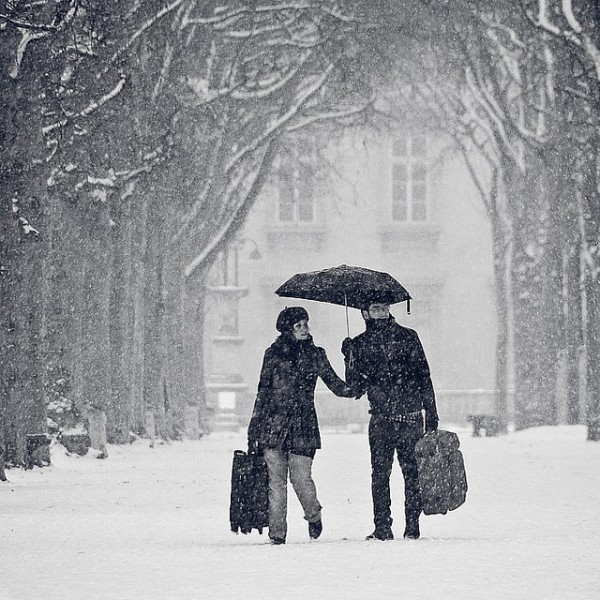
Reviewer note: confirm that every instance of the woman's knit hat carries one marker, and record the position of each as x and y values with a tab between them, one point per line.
288	316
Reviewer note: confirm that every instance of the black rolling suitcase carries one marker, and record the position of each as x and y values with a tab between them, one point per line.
249	506
442	476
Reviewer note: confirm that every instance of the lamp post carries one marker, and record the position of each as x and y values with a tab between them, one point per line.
224	382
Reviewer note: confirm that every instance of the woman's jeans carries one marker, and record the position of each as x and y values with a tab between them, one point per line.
279	462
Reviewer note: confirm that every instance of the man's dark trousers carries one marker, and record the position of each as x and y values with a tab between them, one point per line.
385	438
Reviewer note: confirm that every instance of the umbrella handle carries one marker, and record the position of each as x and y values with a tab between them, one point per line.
347	323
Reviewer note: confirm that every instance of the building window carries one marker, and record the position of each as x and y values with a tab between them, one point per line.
409	178
296	181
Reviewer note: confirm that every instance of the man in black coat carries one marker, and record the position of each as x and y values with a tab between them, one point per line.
387	362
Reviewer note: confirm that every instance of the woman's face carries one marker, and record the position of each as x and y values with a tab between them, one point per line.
300	330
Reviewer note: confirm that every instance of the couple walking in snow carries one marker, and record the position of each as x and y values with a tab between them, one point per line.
387	362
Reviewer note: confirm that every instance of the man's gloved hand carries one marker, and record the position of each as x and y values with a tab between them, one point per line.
431	422
347	347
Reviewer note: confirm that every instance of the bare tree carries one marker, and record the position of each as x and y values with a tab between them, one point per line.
575	26
156	127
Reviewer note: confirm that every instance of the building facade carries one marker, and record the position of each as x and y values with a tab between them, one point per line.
399	203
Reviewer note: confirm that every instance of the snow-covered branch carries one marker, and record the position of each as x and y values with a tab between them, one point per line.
509	31
200	200
141	30
26	37
225	19
53	27
334	115
264	88
496	118
94	105
32	31
284	119
542	18
257	175
576	33
567	9
23	222
27	25
166	64
90	108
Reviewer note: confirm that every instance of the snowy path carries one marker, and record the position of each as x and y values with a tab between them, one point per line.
153	524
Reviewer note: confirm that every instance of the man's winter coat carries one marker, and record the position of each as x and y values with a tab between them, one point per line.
388	362
284	415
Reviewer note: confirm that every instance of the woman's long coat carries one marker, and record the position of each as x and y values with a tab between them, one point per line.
284	415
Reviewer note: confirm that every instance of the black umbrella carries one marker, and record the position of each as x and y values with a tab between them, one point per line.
346	285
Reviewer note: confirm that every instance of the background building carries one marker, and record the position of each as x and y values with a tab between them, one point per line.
398	203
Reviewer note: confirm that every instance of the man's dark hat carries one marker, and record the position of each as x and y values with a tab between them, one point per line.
288	316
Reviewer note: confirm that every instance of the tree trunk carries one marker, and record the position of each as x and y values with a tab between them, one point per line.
120	414
574	334
95	316
501	248
197	417
592	297
536	298
174	335
154	401
139	214
22	252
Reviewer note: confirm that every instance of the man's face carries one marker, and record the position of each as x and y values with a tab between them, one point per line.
379	311
300	330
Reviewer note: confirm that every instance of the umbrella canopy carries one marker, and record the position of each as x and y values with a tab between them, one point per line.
345	285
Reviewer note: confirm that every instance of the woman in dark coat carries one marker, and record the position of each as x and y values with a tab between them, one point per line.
284	422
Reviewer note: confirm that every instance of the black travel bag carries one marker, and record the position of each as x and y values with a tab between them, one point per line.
249	506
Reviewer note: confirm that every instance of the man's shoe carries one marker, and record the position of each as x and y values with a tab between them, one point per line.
412	531
382	534
277	541
315	529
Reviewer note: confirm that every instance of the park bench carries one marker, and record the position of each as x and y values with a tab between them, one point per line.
489	423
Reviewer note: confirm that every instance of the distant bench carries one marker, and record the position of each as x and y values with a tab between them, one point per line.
489	423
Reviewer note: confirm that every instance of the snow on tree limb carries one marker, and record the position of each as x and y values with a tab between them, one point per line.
33	31
278	83
495	116
22	221
27	25
162	78
303	97
90	108
143	28
257	175
575	34
542	18
567	9
335	115
26	37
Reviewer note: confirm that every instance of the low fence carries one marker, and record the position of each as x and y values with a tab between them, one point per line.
454	406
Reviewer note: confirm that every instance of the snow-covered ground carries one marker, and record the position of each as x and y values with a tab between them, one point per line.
154	524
